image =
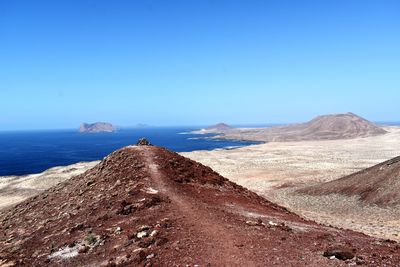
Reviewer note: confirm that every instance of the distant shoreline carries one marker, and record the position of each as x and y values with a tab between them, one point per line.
26	153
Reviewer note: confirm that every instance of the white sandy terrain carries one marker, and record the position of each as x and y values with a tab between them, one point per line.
274	170
14	189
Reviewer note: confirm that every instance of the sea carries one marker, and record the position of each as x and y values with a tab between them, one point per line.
28	152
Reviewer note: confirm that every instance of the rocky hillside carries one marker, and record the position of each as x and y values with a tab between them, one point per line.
219	127
147	206
97	127
378	185
327	127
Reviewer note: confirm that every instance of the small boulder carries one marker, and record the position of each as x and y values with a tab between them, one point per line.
341	253
83	249
142	234
252	223
150	256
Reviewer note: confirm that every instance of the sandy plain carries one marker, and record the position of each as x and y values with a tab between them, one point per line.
14	189
276	170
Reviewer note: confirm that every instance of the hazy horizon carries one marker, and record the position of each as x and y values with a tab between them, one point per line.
183	63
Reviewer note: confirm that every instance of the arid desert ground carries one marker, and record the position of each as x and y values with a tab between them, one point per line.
275	170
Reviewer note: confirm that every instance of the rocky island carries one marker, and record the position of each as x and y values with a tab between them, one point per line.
97	127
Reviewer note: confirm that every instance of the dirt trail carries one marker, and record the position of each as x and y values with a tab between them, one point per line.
147	206
200	219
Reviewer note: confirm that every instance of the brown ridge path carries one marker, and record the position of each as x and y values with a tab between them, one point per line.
147	206
199	218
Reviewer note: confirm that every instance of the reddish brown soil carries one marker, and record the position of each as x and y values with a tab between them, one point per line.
379	184
196	217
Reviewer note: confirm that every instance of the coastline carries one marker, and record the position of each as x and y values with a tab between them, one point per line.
274	170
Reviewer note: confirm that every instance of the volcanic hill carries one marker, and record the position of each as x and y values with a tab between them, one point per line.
216	128
147	206
326	127
378	185
219	127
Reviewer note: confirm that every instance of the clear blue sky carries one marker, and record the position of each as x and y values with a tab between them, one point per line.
196	62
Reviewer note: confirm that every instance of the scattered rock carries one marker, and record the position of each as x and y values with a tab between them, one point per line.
271	223
150	256
252	223
143	228
153	233
142	234
360	261
146	242
126	208
122	260
143	142
341	253
83	249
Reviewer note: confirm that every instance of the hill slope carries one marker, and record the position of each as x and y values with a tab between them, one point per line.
219	127
379	184
146	205
216	128
327	127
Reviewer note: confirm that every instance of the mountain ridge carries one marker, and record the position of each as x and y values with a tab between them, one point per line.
145	205
324	127
379	184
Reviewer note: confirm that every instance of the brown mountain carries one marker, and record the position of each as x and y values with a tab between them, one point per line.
147	206
97	127
220	127
378	185
327	127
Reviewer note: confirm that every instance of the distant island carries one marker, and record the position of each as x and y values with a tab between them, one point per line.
217	128
97	127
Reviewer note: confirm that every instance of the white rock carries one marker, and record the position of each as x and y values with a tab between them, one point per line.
141	234
272	223
153	233
150	190
150	256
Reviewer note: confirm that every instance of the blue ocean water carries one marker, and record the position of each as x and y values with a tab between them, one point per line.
33	152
